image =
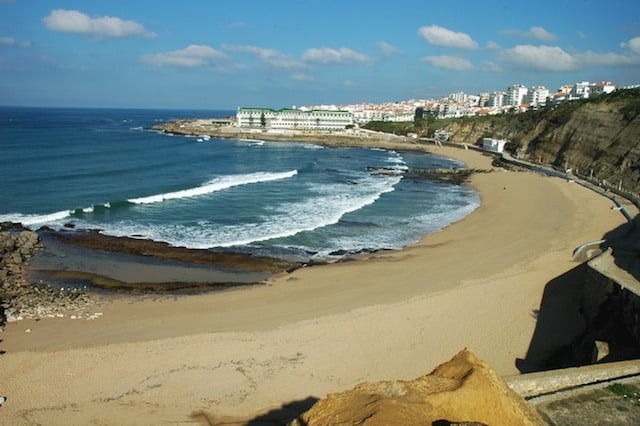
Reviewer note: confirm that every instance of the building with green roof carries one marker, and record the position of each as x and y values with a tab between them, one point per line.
288	119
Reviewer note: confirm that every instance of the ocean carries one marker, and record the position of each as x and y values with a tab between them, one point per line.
103	169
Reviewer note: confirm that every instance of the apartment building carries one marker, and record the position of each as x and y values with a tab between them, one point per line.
293	119
538	96
516	94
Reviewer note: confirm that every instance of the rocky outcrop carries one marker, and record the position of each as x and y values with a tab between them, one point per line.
20	299
462	391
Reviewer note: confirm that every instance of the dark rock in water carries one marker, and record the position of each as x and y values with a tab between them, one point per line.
93	239
70	225
340	252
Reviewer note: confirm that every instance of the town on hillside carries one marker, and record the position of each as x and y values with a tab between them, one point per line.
327	118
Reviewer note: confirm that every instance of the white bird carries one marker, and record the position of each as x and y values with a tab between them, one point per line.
2	400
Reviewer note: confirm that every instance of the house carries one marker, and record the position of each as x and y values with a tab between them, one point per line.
494	145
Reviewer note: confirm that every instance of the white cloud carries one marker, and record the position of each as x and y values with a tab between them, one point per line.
632	45
535	33
550	58
326	55
450	62
190	57
554	58
349	83
387	49
271	57
491	45
301	76
10	41
73	21
491	67
590	59
238	25
443	37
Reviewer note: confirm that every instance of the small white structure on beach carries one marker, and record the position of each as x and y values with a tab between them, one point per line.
494	145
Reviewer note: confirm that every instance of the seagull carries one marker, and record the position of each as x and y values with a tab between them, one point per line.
2	400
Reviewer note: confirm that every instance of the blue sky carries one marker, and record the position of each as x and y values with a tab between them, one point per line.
224	54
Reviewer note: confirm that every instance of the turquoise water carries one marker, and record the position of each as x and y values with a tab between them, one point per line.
101	169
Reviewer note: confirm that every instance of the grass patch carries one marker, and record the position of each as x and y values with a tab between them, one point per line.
629	392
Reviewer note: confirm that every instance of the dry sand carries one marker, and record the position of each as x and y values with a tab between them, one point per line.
323	329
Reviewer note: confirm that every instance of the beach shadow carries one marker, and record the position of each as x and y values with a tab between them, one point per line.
564	335
559	322
278	416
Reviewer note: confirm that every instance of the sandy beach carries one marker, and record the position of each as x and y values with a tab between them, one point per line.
278	347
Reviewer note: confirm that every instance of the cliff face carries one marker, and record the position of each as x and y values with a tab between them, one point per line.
599	136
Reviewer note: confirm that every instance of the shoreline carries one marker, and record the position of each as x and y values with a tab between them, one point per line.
351	139
55	264
317	330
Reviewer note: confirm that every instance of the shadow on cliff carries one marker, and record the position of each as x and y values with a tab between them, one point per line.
278	416
625	244
564	335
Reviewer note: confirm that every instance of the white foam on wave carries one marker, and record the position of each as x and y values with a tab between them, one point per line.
397	161
35	219
395	236
217	184
312	146
326	205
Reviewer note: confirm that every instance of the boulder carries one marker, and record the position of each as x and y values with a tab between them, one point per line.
464	390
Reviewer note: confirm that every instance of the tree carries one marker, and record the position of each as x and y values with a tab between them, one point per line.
263	120
418	117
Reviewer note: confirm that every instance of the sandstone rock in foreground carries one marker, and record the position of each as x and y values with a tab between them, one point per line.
464	390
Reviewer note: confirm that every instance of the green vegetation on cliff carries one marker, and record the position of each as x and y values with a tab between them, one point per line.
597	137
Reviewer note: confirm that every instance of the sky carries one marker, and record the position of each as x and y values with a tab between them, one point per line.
279	53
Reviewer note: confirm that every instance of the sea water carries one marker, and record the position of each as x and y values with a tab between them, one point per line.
104	169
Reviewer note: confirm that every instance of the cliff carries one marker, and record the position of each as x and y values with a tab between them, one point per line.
599	136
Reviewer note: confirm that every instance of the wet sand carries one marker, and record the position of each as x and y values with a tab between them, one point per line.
395	315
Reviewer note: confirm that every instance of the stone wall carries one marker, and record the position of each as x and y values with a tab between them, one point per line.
612	311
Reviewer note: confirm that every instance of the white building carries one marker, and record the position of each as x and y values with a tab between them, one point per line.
602	88
483	100
538	96
367	115
580	91
496	99
516	94
494	145
458	97
293	119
